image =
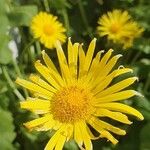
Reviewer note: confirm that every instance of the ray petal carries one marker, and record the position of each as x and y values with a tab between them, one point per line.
36	79
103	133
38	106
33	87
81	61
77	134
73	60
100	112
122	108
117	96
105	81
111	63
85	136
49	63
89	54
118	86
61	142
50	75
54	139
63	62
107	126
37	122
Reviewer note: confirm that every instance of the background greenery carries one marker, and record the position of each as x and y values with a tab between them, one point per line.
80	18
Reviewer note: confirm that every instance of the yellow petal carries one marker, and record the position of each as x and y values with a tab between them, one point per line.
73	60
105	59
70	46
113	115
122	108
54	139
81	61
94	67
50	75
61	142
36	105
33	87
103	132
36	79
101	66
117	96
77	134
92	136
106	134
48	61
122	71
107	126
105	81
118	86
111	63
103	84
89	54
37	122
85	136
63	63
47	125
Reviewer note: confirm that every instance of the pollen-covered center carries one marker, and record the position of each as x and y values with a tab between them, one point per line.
48	30
71	104
115	28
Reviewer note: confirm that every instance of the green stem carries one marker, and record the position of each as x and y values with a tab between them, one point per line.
38	47
66	20
17	69
136	57
26	48
14	62
11	84
147	83
84	18
46	5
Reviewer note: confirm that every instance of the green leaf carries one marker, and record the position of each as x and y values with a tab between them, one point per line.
71	145
21	16
144	137
4	24
3	6
5	53
7	133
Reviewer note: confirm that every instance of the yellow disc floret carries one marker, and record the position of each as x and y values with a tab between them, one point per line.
71	104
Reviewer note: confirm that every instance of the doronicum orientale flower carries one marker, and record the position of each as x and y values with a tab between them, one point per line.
79	98
119	28
48	29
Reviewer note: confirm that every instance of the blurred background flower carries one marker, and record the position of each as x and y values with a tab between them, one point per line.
118	27
48	29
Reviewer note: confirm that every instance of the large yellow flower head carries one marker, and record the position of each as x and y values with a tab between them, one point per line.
119	27
80	97
48	29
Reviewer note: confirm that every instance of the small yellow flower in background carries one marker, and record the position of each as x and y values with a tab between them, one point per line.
119	27
77	99
48	29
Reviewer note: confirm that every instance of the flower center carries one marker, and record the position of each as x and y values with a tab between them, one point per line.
71	104
114	28
48	30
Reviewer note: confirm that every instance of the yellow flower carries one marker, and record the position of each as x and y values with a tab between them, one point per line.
46	27
119	27
73	102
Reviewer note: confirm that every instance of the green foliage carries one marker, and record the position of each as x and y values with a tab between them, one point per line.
22	15
80	18
6	130
5	53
